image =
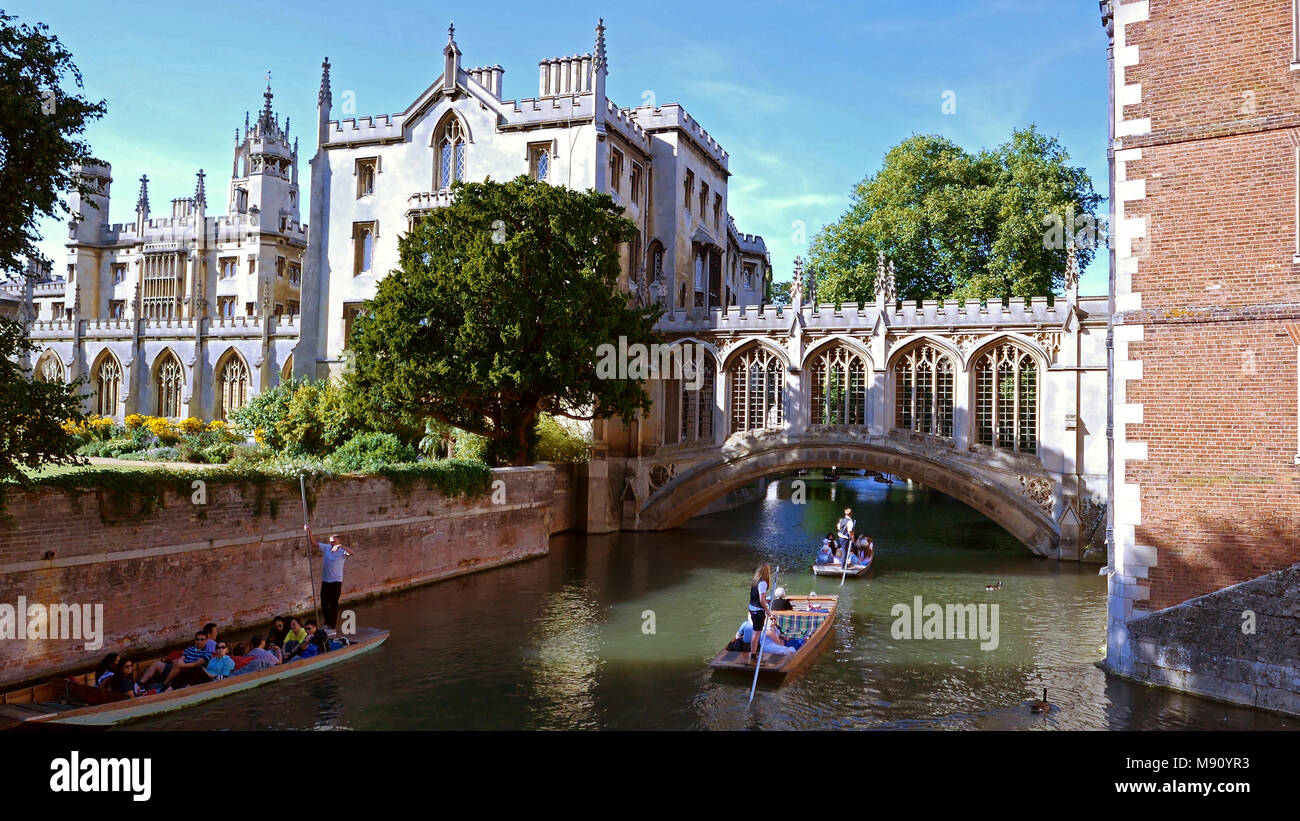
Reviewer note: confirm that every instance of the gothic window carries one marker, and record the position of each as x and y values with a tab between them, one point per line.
540	161
50	369
279	267
160	292
286	373
636	183
232	383
366	171
696	404
168	384
656	261
717	211
923	391
108	384
295	275
757	384
228	267
1006	399
704	198
749	277
119	274
293	307
363	250
451	153
226	306
117	309
839	387
351	310
688	190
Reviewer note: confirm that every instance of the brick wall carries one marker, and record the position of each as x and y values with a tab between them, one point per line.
1211	395
240	558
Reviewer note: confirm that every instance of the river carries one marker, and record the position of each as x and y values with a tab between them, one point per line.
615	632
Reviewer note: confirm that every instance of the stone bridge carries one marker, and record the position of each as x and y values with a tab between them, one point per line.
1001	405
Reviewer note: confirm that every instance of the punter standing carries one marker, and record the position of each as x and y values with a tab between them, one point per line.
334	553
844	529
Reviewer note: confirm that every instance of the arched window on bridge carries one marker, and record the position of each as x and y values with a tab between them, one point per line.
923	385
696	407
1006	399
839	387
757	382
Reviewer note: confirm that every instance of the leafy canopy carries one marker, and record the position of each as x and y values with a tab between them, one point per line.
31	412
957	224
495	314
38	121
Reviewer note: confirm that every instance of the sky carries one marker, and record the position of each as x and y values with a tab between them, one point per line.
805	97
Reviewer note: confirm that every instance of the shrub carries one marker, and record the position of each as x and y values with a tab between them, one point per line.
190	425
468	445
301	417
163	429
368	452
218	453
158	454
134	421
558	443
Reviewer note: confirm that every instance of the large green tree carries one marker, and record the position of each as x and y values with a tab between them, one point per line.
960	224
39	120
495	314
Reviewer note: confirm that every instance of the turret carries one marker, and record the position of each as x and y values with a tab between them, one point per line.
264	178
324	100
90	210
450	62
142	204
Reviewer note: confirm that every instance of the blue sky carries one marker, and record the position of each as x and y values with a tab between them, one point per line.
805	97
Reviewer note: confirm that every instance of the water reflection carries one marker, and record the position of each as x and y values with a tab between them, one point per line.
562	642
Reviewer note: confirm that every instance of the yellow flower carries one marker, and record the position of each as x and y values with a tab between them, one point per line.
217	426
259	436
133	421
191	425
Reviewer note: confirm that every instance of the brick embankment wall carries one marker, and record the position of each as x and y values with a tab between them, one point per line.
241	558
1200	646
566	510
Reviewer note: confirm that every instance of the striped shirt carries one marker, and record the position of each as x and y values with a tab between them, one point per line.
193	654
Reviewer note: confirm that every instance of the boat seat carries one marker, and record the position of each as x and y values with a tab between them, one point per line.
92	695
798	624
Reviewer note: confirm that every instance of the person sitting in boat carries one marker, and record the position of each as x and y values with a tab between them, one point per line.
105	671
316	643
275	636
218	667
774	643
211	629
824	555
260	652
839	555
779	601
123	680
301	649
195	656
865	549
758	608
293	638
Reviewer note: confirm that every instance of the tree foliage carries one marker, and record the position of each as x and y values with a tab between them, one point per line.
495	314
958	224
38	121
32	413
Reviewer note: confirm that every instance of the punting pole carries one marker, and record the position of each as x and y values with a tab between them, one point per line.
771	589
302	485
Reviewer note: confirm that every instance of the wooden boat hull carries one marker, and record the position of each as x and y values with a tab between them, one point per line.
837	570
781	666
117	712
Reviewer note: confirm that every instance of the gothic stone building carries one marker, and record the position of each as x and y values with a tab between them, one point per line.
186	314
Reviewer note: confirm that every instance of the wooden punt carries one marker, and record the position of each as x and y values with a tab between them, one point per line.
801	621
837	570
74	700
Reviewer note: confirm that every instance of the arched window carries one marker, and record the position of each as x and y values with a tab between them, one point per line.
232	383
923	385
1006	399
451	153
656	261
168	384
697	405
49	369
757	381
108	385
839	387
543	163
286	373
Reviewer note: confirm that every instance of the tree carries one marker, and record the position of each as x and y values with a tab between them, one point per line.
38	121
495	314
957	224
31	412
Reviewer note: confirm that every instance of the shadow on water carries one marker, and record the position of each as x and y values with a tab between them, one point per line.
615	631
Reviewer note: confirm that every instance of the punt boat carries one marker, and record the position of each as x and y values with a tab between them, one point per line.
838	569
75	700
812	619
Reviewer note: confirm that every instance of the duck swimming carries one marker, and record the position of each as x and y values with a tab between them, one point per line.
997	586
1041	706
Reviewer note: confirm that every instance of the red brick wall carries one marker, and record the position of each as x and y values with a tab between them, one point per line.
241	558
1220	490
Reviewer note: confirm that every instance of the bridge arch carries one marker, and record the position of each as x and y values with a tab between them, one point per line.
742	462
